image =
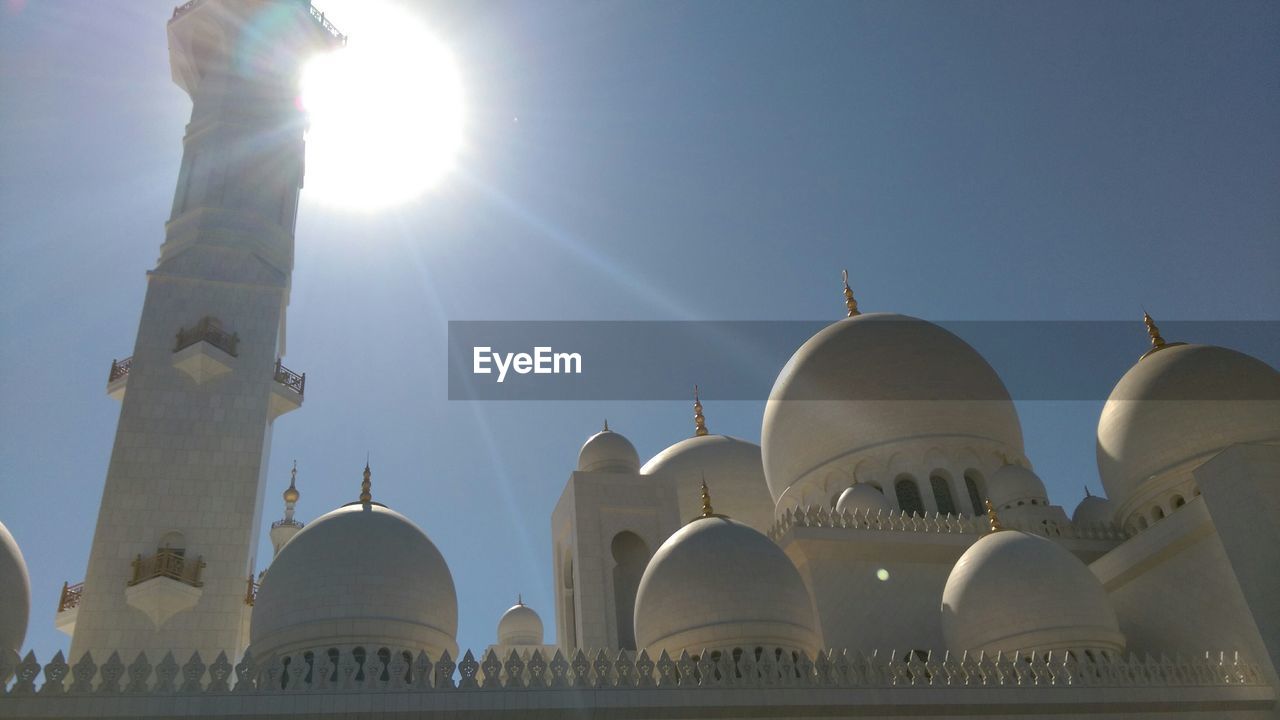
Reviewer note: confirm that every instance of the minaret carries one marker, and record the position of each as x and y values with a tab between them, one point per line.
182	507
284	529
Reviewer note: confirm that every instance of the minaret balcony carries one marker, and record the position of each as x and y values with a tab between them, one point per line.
164	585
286	391
68	608
118	378
206	350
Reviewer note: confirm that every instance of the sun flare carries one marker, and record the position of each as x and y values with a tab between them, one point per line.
385	112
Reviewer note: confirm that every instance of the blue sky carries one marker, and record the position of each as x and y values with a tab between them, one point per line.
657	160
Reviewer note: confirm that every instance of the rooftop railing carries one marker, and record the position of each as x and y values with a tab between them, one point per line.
316	15
170	564
209	330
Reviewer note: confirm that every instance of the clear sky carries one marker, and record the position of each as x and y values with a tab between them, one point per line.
638	160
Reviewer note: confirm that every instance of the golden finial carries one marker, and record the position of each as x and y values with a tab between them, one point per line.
1086	490
291	494
606	425
849	302
1157	340
366	487
699	421
706	501
519	598
992	519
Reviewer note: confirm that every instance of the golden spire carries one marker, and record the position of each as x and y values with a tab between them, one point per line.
1157	340
699	421
849	302
992	519
366	494
519	598
706	501
291	495
606	425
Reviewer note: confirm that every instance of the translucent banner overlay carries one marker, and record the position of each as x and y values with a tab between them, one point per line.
894	360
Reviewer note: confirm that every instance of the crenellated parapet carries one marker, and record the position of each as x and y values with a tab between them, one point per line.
373	669
816	516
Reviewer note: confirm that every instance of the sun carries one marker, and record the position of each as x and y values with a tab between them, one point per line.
385	112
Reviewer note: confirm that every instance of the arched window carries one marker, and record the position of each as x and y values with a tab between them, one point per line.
1142	523
1177	502
942	494
630	554
971	478
1157	513
570	620
908	495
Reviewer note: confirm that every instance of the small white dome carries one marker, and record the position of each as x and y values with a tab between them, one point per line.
361	574
520	625
1016	591
1013	484
729	465
718	584
1094	510
608	451
861	497
15	594
1175	409
872	380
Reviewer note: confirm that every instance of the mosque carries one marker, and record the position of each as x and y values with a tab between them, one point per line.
719	579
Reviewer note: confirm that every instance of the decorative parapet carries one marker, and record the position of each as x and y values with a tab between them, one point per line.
893	520
169	564
399	670
209	330
70	597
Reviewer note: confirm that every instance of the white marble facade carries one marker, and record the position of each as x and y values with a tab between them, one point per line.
888	548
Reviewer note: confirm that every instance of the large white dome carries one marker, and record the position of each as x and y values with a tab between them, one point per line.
608	451
870	381
15	594
731	466
361	574
520	625
1176	408
1016	591
718	584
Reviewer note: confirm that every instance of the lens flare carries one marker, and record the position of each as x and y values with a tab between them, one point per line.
385	112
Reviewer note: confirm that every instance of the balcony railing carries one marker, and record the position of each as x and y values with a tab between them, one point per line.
70	597
167	563
290	379
209	330
119	368
184	8
328	26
